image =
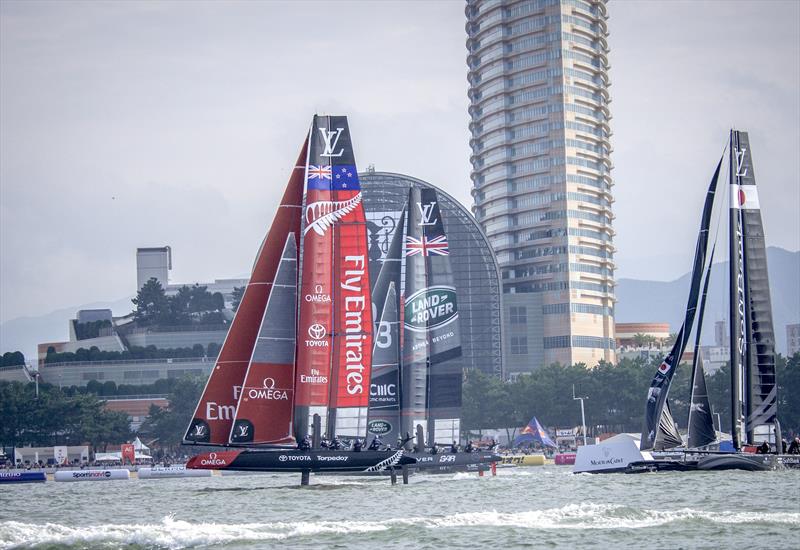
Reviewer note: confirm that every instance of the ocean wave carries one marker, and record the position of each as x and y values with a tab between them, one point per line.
176	534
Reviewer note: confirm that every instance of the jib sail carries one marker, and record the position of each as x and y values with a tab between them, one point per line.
659	432
265	408
701	423
213	418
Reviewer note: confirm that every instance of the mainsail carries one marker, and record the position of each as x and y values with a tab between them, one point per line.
432	366
655	408
352	302
754	391
385	387
335	321
265	408
213	418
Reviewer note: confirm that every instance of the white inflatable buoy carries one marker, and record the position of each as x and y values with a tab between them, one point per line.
91	475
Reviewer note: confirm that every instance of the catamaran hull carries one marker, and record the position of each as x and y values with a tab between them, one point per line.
715	462
446	463
252	460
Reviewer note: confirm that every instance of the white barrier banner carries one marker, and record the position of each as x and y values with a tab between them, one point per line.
91	475
171	471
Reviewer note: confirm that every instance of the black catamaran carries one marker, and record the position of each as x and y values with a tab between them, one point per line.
753	386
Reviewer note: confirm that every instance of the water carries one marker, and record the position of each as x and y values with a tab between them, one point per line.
545	506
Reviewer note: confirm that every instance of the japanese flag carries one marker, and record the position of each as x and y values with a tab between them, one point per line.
744	196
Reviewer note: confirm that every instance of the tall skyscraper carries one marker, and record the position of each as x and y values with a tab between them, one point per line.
538	76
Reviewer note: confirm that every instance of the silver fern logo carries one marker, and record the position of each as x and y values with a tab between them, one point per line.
321	215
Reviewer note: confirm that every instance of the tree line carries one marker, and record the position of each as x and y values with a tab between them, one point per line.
191	305
12	359
57	417
132	353
615	396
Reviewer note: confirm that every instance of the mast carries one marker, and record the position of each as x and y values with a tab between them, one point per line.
213	417
315	317
737	296
658	423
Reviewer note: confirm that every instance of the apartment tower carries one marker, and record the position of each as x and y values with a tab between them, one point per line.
541	173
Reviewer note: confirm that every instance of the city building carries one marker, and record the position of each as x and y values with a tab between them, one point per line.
153	263
541	172
721	334
156	263
642	334
792	339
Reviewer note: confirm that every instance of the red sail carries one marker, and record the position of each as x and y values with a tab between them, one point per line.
213	418
265	409
352	341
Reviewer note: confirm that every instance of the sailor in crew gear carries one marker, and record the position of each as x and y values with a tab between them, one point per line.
336	444
376	443
304	444
469	448
357	445
454	447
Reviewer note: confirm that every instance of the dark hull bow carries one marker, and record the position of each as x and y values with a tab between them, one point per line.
293	460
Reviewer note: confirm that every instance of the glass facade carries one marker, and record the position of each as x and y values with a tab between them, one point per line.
475	269
541	172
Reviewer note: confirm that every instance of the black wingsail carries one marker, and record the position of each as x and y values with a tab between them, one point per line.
659	387
752	311
432	365
385	387
701	423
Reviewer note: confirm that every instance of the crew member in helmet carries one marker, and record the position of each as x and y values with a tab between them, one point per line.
376	443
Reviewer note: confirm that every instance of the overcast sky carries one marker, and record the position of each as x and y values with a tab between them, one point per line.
149	123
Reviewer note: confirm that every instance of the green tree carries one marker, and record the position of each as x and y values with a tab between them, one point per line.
12	359
238	293
151	303
167	425
57	417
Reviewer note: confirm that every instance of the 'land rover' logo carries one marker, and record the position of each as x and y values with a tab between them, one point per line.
430	308
379	427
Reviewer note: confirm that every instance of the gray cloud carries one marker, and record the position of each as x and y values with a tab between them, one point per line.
144	123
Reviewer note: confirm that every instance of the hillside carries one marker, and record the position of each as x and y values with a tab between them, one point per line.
656	301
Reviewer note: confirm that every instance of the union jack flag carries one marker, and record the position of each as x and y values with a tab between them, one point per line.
426	247
322	172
